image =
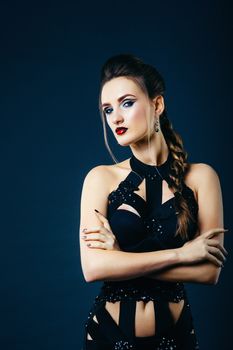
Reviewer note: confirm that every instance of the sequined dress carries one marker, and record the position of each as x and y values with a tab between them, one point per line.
150	228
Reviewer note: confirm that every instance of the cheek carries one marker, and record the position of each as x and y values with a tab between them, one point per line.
138	116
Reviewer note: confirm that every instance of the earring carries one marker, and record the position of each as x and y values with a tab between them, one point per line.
156	126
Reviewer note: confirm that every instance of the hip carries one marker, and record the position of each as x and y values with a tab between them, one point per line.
156	323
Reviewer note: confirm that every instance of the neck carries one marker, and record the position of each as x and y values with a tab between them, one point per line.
155	153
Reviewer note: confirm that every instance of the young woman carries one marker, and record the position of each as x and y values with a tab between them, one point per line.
159	220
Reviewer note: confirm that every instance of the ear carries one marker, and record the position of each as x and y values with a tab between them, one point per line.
158	102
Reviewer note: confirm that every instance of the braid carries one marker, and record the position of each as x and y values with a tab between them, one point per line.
179	168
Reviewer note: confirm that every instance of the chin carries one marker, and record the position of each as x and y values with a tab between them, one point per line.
124	143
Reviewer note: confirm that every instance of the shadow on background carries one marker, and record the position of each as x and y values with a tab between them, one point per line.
51	55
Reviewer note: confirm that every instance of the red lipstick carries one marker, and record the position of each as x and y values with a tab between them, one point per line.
121	130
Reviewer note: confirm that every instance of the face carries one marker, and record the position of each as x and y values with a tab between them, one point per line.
125	105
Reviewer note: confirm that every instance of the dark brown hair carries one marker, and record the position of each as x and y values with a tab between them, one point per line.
152	84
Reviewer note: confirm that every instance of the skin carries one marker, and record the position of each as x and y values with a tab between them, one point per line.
199	260
134	118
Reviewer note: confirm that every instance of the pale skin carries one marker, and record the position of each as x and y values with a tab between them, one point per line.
198	261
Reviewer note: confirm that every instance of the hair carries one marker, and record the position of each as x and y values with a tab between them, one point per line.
152	84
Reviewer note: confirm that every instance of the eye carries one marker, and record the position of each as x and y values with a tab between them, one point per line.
130	102
107	110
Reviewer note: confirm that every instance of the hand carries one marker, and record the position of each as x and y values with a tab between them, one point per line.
104	238
204	247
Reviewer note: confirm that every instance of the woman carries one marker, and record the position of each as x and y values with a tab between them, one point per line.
148	223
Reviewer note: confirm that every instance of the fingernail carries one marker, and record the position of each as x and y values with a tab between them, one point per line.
96	210
88	244
84	229
84	237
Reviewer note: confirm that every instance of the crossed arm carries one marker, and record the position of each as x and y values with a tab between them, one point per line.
205	272
167	265
210	214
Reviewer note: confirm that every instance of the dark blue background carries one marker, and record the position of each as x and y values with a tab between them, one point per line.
51	136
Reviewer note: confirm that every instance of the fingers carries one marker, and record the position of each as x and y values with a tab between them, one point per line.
96	244
215	243
101	241
213	232
95	237
217	253
94	229
214	260
103	219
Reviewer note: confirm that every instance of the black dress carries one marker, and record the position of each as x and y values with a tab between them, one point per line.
151	228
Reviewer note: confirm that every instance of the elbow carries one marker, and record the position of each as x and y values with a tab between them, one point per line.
88	276
92	273
99	268
91	277
214	279
213	275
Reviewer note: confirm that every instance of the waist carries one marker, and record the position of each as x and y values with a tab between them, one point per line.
141	289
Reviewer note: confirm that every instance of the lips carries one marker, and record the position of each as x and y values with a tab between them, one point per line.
121	130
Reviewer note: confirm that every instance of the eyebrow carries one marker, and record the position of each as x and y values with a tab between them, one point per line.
119	99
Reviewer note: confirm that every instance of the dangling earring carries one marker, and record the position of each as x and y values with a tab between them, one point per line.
156	126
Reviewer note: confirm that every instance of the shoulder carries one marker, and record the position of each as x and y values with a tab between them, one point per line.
202	172
201	175
109	174
94	192
97	185
98	176
106	174
97	171
209	196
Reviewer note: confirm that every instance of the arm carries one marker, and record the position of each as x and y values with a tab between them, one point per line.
206	273
210	215
98	264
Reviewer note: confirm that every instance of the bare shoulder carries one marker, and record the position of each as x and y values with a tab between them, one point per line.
200	172
96	187
199	175
99	174
94	195
209	196
105	178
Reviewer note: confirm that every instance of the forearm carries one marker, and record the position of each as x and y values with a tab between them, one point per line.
205	272
120	265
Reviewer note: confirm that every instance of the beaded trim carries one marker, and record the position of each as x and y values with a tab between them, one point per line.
117	291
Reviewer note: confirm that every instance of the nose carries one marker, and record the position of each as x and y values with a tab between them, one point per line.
117	117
